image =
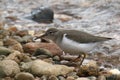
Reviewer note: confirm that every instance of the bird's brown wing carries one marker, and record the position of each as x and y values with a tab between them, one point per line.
83	37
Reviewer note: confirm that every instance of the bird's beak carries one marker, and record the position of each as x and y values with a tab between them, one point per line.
42	36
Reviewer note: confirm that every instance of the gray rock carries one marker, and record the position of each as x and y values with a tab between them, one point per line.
2	73
4	51
43	15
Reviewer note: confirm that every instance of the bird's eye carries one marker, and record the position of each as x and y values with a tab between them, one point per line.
51	32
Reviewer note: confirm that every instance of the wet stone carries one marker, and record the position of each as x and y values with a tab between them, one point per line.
43	15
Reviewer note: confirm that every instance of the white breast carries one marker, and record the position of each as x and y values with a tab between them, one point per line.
70	45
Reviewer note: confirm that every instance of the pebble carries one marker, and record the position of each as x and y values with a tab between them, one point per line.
44	77
43	15
32	47
39	67
9	68
4	34
56	58
1	43
24	76
13	44
115	71
61	78
73	74
102	77
18	38
52	77
4	51
22	33
27	38
82	78
18	57
89	68
42	51
70	78
2	72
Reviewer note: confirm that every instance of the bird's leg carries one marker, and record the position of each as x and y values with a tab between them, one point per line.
84	56
77	59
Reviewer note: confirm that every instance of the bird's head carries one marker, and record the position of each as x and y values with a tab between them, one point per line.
50	34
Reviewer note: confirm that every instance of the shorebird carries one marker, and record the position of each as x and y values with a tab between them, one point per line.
74	41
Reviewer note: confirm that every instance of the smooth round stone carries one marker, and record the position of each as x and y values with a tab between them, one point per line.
22	33
73	74
43	15
53	78
82	78
39	67
31	47
24	76
8	68
1	43
43	51
18	38
27	38
70	78
61	78
33	58
4	51
44	77
2	72
56	58
101	77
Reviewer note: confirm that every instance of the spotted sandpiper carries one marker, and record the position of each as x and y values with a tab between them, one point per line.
73	41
